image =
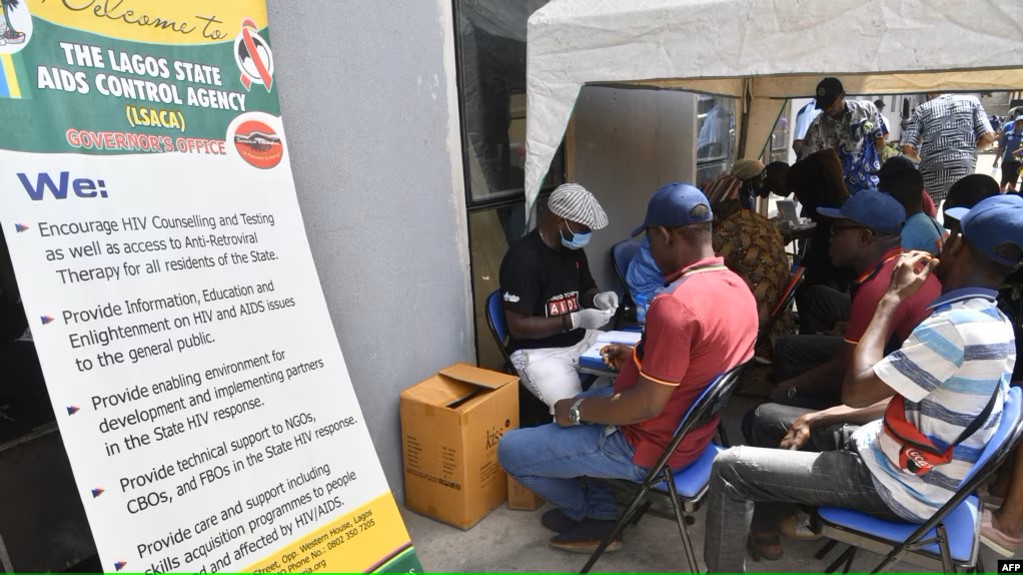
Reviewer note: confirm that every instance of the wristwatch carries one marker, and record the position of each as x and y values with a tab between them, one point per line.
574	414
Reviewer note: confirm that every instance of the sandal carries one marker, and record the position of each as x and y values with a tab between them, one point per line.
758	545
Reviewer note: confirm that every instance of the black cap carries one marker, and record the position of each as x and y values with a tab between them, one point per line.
879	104
895	165
828	90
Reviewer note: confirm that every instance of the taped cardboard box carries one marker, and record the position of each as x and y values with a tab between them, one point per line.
522	499
451	424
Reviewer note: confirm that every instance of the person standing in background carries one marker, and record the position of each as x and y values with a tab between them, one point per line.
943	137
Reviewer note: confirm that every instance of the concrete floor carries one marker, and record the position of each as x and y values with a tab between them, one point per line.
514	541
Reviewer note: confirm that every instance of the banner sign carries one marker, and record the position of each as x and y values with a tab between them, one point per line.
147	200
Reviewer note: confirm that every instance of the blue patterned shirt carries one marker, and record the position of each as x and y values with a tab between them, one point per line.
852	136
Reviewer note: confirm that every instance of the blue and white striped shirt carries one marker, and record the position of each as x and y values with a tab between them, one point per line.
947	371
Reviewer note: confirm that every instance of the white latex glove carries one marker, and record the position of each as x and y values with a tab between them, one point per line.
591	318
606	300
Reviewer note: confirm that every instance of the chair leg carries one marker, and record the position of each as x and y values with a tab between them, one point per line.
680	519
623	520
946	555
641	512
849	560
823	551
845	557
722	435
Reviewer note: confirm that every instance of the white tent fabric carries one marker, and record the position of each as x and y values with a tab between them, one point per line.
761	51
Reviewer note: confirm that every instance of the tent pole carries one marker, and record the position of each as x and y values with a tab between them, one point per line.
747	95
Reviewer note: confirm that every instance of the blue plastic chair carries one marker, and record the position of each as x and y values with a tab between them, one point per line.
532	411
498	324
685	488
949	539
622	254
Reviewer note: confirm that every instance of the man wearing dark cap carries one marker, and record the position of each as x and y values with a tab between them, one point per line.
865	240
900	178
943	137
852	128
551	301
947	385
701	325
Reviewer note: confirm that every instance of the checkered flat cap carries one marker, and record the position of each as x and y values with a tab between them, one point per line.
575	203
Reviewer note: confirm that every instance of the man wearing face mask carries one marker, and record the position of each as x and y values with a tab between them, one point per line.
551	301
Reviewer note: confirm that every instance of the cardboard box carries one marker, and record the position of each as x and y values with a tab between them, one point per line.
451	424
522	499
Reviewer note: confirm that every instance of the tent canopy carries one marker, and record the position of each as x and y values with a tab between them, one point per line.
761	52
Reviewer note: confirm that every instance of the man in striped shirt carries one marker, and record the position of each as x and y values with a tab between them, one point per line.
944	375
943	136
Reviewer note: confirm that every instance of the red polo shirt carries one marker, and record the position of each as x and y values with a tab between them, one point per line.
701	327
871	287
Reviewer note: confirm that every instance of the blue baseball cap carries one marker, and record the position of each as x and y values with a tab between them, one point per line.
992	225
676	205
871	209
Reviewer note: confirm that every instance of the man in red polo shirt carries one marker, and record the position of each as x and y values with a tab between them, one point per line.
866	240
703	324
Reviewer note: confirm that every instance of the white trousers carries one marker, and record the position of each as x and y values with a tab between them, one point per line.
550	373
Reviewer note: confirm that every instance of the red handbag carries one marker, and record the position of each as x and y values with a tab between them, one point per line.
918	454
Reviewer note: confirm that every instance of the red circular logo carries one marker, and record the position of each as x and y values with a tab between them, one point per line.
258	144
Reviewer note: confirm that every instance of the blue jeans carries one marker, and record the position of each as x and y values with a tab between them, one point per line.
555	461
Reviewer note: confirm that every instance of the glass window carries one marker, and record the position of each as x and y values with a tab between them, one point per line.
492	72
715	117
715	136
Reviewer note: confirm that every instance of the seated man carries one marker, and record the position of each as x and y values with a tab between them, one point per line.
966	193
740	185
703	324
900	178
942	395
810	369
550	299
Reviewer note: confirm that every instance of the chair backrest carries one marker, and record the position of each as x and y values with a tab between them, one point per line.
789	294
622	254
498	323
1012	418
708	404
711	401
783	304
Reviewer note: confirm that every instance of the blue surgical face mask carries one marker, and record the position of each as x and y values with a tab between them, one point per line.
576	241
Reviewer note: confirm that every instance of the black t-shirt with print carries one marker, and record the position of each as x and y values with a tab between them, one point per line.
539	281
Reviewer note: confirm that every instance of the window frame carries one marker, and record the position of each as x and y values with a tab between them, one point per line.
497	198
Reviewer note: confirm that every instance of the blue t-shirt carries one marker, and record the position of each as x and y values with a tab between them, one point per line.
644	278
924	233
1011	141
